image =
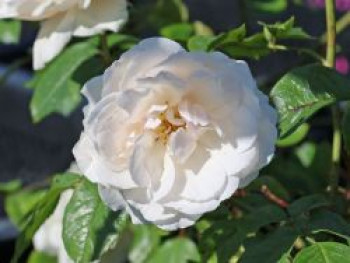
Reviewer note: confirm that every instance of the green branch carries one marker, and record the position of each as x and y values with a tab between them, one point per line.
330	60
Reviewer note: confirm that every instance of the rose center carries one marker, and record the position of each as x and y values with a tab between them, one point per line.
164	122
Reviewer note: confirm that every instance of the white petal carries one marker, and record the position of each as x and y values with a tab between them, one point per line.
167	180
205	176
98	17
92	91
147	160
112	197
182	145
193	113
136	62
53	36
193	208
84	153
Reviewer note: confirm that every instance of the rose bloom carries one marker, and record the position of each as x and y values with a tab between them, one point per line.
63	19
169	134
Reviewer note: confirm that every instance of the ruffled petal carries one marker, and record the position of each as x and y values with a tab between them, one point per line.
54	35
98	17
137	62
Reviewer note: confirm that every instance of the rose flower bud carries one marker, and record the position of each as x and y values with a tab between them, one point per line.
169	134
63	19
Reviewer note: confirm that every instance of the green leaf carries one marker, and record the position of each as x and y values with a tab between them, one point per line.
96	228
254	46
41	257
305	90
307	203
306	153
324	252
269	6
235	35
146	240
270	248
177	250
260	217
178	32
284	30
286	258
296	137
42	210
55	91
202	29
10	187
346	129
10	31
199	43
18	205
327	221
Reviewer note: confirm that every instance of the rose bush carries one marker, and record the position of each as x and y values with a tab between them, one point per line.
170	134
63	19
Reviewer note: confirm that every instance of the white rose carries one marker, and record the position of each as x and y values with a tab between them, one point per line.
48	238
63	19
169	134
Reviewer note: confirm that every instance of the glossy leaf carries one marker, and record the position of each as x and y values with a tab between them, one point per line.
146	240
177	250
40	257
304	91
324	252
96	228
296	137
54	90
42	210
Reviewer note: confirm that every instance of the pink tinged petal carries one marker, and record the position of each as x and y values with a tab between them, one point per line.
96	18
193	113
147	160
54	35
136	62
182	145
111	197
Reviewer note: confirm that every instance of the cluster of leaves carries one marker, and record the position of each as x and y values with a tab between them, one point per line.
285	216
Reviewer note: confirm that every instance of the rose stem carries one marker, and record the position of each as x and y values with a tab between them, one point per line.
105	53
273	198
330	58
